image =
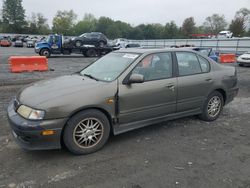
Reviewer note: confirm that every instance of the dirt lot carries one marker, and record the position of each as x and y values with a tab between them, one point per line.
181	153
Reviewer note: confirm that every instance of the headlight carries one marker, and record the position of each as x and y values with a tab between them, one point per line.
30	113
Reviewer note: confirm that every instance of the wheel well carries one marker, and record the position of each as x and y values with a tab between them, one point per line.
44	49
223	94
92	108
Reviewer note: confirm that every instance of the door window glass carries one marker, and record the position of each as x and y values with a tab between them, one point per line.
188	63
204	64
155	66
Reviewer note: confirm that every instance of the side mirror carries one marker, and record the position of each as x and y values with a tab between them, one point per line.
136	78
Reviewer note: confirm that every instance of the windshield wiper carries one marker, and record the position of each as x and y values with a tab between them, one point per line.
92	77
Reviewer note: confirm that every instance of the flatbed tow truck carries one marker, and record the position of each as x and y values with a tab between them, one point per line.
55	44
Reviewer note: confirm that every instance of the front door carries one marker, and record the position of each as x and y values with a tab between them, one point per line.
155	97
56	44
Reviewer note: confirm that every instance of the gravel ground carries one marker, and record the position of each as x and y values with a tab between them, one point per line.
182	153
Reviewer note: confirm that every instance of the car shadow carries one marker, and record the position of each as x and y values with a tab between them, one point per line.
114	141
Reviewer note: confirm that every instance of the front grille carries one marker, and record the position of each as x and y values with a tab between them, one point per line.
246	58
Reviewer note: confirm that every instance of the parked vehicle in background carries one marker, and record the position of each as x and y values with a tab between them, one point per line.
30	43
209	52
120	42
244	59
225	34
18	43
55	44
132	45
124	90
5	42
94	38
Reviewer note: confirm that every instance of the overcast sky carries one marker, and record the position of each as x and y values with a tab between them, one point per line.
139	11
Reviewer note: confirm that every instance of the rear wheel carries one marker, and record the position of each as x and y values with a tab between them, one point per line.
86	132
212	107
45	52
91	53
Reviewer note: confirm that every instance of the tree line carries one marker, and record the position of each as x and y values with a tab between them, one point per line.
14	20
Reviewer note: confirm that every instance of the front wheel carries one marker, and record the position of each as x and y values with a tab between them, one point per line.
78	43
86	132
101	44
45	52
212	107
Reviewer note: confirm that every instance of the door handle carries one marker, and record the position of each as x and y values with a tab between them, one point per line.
170	86
208	79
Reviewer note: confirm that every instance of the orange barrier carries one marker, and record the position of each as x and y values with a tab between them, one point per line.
227	58
28	63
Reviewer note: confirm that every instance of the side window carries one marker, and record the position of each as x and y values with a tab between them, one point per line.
95	36
155	67
204	64
188	63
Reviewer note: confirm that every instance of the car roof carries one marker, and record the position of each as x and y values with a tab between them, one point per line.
151	50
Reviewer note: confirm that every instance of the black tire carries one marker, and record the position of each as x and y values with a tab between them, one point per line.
72	137
78	43
101	44
207	105
241	65
91	53
45	52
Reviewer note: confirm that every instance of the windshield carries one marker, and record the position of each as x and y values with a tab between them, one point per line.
109	67
47	39
86	35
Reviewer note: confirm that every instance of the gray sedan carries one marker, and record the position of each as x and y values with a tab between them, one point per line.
122	91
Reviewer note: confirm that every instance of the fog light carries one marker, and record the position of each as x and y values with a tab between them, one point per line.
47	132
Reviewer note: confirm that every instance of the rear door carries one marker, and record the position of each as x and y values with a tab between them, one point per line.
194	81
155	97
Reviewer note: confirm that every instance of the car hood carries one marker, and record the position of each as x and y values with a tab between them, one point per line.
245	56
50	90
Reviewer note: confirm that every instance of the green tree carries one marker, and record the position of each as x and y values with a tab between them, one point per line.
32	25
136	33
215	23
103	24
171	31
37	24
188	27
13	15
87	24
238	24
42	24
1	21
64	22
237	27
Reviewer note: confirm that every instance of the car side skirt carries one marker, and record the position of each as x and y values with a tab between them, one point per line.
121	128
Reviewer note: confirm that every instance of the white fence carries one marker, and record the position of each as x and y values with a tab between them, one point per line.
235	45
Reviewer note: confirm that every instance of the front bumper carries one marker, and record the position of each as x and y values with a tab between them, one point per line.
28	135
243	61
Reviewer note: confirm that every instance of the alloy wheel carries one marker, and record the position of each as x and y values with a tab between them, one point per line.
88	132
214	106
